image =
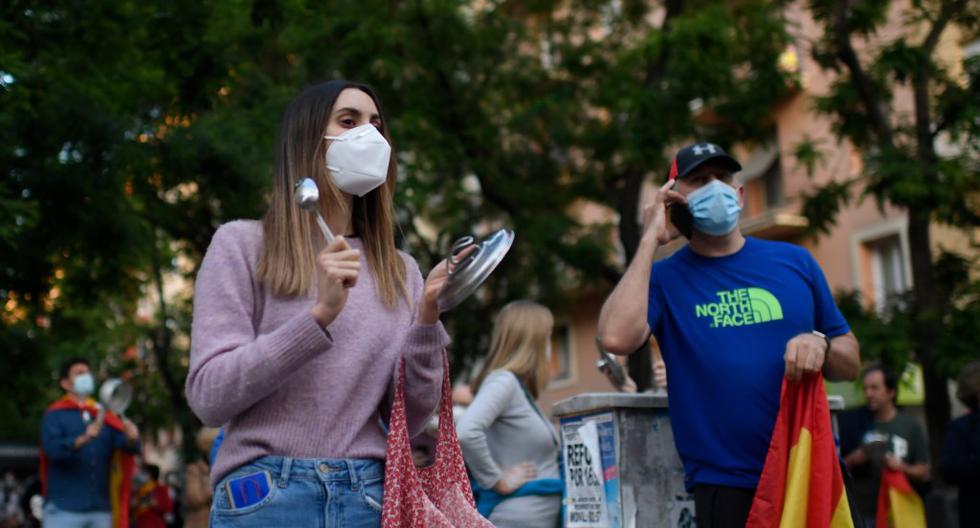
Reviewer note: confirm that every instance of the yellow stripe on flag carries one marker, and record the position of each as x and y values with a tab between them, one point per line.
906	510
842	513
115	482
801	484
798	482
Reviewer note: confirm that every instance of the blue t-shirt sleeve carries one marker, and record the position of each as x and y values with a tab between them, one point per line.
655	303
827	317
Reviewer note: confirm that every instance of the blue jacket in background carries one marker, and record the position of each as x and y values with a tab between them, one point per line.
78	479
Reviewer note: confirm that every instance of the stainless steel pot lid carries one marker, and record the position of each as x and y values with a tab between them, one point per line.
115	394
470	271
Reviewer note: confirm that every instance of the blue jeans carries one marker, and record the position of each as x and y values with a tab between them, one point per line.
55	517
321	493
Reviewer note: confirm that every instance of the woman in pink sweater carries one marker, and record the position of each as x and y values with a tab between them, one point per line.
294	342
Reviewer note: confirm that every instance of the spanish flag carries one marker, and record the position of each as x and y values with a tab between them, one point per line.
801	483
899	506
121	470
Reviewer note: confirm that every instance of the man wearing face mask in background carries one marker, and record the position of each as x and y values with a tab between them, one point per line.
80	442
733	316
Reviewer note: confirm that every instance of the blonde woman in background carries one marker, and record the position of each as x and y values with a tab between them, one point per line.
509	446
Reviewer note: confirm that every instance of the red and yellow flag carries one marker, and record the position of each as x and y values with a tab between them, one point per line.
121	470
899	506
801	483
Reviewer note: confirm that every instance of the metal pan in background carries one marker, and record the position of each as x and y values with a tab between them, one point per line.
116	395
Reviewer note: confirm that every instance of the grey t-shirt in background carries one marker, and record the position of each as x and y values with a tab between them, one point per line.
905	439
501	428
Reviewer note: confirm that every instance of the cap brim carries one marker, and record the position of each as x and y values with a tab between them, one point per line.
722	159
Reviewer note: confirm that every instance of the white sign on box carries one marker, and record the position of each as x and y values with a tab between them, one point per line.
591	471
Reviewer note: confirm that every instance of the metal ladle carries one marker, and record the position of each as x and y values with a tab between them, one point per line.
307	196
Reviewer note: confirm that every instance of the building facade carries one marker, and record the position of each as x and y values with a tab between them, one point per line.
866	250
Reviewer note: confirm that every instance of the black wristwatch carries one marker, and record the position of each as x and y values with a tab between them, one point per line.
823	336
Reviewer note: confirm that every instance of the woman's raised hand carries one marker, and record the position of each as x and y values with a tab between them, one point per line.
337	268
429	307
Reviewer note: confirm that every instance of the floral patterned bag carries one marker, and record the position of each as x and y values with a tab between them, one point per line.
438	496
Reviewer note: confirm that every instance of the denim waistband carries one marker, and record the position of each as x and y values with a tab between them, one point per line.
283	469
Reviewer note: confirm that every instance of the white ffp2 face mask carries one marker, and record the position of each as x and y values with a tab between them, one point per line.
358	159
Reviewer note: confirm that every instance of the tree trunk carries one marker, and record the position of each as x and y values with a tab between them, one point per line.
640	367
929	307
928	311
162	351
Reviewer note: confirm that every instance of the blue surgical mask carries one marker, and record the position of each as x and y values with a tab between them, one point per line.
714	208
83	385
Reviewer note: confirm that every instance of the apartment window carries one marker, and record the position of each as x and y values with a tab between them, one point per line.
561	354
888	273
773	181
762	174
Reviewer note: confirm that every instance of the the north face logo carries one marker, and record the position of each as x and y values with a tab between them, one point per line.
740	307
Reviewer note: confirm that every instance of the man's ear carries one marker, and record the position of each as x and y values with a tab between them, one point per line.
741	195
65	383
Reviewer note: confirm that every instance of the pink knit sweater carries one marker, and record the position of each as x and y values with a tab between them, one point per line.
281	385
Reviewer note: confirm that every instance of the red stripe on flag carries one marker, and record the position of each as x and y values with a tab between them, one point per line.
801	482
899	506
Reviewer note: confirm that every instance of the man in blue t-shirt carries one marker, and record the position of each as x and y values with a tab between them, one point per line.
732	316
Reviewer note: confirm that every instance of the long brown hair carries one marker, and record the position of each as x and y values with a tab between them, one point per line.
521	333
287	263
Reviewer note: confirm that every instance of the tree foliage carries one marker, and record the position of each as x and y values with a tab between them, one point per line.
914	116
131	130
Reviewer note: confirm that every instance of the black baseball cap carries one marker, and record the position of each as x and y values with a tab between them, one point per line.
696	154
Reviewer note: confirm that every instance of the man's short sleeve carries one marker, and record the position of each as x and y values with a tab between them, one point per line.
918	445
827	317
